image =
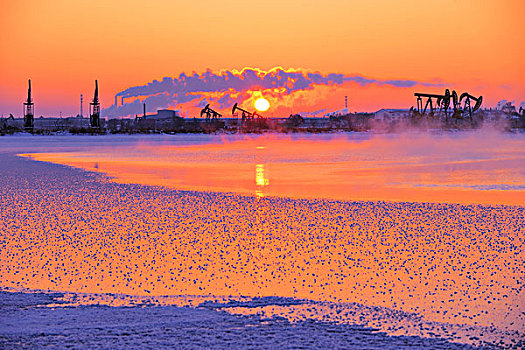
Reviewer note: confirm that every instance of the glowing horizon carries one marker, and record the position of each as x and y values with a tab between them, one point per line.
64	47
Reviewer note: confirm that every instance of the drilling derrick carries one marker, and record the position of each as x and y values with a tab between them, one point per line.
29	109
94	110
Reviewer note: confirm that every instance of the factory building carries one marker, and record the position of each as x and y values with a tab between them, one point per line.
164	119
164	115
390	114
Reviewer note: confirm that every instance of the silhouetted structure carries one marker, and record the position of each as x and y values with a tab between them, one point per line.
466	106
294	120
442	103
29	111
245	114
139	119
211	115
94	110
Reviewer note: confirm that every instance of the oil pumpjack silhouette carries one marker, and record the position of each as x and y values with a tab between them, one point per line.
442	103
211	115
245	114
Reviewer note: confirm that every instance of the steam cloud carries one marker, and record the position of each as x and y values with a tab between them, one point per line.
224	88
501	104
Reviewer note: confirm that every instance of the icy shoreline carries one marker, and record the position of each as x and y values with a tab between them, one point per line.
46	319
315	273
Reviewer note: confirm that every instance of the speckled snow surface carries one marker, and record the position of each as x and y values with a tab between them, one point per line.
140	266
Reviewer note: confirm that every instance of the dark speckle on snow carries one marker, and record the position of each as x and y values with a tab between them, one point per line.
88	263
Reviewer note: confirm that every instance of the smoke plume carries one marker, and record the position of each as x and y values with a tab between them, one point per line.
224	88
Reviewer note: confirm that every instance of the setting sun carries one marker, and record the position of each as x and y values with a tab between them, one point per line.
247	174
262	104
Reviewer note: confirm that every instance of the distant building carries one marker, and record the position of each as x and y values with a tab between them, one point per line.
338	113
164	119
390	114
53	123
164	114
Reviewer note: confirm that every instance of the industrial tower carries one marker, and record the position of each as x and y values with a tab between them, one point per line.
29	109
94	110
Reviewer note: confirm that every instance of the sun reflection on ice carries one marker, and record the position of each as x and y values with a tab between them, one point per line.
403	168
260	180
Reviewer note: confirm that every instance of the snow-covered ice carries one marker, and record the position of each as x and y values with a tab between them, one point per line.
89	262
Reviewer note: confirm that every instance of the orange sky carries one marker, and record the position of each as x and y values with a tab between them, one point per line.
474	46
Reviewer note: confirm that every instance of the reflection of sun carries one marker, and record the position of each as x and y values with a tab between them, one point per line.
262	104
260	179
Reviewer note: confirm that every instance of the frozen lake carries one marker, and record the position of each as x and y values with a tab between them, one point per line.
477	167
353	238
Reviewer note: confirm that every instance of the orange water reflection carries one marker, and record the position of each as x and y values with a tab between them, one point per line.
422	168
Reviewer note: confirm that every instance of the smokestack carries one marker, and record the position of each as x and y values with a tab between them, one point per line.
144	106
81	109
